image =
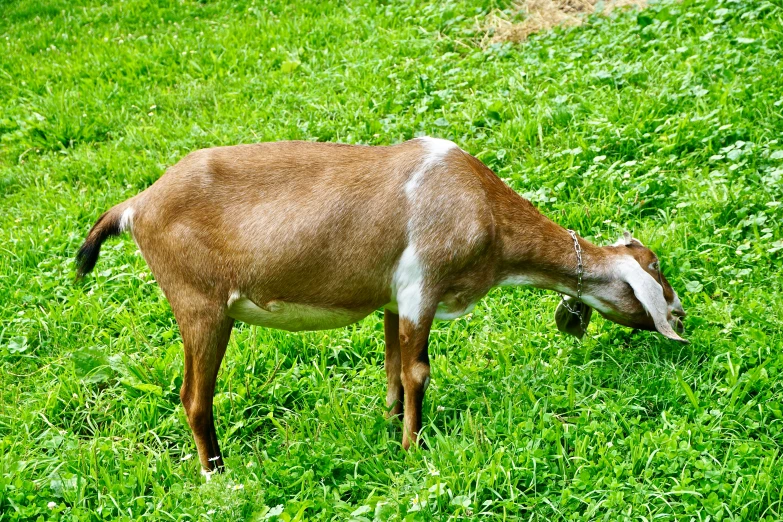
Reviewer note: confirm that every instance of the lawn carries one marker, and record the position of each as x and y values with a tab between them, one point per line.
667	121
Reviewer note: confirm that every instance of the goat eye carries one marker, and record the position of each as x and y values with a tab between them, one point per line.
655	267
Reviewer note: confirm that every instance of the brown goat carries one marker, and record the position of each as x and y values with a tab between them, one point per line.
311	236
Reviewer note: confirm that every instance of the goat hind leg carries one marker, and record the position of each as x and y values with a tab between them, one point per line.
205	335
221	351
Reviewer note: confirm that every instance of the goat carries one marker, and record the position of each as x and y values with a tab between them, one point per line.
311	236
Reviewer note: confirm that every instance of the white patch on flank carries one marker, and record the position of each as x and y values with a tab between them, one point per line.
436	150
408	285
126	220
293	317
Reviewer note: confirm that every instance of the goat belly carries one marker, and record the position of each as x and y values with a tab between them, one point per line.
293	317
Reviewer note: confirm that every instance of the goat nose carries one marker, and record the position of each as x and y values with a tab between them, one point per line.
678	312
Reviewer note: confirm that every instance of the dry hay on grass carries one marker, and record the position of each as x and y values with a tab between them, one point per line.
541	15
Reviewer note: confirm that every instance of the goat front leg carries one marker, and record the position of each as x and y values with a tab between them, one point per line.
415	374
394	390
205	334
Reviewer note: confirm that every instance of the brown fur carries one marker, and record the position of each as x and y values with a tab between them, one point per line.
324	226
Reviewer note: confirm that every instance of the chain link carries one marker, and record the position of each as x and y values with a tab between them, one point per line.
579	273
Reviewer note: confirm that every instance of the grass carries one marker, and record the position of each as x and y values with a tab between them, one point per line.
667	121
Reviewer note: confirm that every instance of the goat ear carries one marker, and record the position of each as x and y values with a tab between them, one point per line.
626	240
573	324
649	292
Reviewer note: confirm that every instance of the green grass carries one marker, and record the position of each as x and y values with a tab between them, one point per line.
668	122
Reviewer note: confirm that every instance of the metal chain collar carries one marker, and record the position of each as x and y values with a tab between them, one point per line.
580	270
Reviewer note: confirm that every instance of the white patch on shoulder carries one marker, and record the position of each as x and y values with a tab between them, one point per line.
437	149
126	220
408	285
293	317
407	288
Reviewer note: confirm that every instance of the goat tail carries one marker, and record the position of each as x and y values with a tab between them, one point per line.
113	222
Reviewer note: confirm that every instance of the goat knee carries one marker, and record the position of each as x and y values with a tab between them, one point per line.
416	377
417	373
